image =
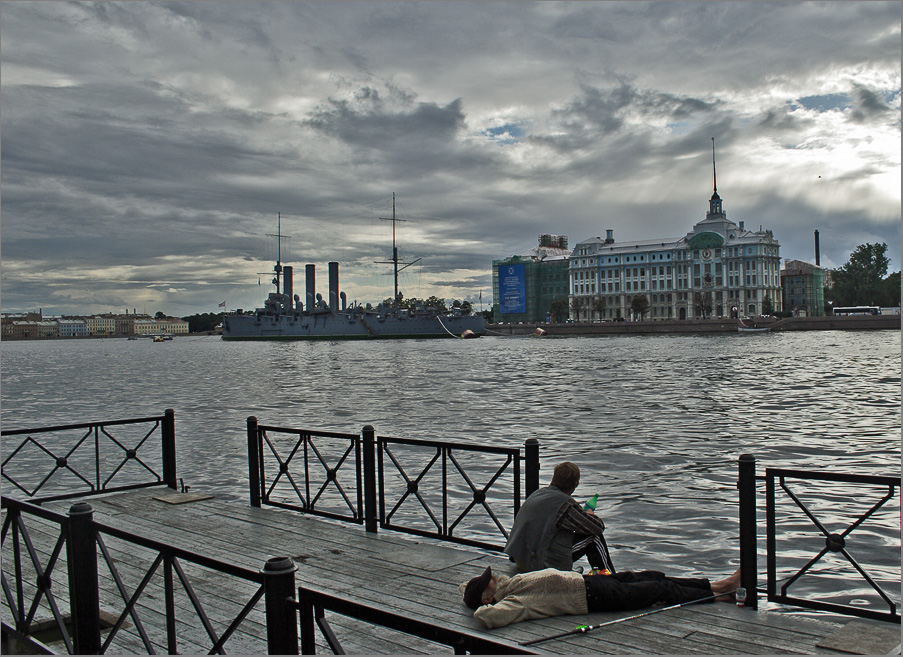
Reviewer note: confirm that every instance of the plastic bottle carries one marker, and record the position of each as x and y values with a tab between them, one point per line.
591	503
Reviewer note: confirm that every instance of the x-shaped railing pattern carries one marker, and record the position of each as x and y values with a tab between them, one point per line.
43	573
105	461
314	466
834	542
24	604
444	454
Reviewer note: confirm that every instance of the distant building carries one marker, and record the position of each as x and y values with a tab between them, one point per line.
526	286
101	325
719	269
169	326
73	328
803	286
25	330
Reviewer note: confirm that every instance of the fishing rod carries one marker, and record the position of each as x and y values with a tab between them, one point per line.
583	629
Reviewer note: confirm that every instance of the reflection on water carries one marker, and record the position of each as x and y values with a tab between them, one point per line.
656	423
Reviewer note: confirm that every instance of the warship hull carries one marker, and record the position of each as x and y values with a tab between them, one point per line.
349	326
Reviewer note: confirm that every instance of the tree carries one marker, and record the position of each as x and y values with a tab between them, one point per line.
599	306
578	305
859	281
640	305
702	304
160	315
559	310
767	306
435	302
203	322
890	290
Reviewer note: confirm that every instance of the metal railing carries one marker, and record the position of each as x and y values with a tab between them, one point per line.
372	478
414	471
312	604
92	457
79	544
838	543
317	472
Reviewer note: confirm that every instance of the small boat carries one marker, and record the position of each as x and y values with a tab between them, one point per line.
158	338
743	328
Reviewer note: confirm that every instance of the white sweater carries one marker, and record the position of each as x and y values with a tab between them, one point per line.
537	594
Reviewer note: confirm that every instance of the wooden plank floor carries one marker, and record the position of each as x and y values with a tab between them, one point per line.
414	576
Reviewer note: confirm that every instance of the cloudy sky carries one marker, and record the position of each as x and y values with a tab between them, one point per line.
149	147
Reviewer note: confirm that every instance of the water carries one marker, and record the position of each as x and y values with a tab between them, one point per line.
656	423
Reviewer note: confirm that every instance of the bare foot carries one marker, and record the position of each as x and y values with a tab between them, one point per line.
725	588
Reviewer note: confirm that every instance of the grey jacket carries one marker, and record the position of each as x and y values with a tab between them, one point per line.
535	541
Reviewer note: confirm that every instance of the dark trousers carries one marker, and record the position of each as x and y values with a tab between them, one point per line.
627	591
595	549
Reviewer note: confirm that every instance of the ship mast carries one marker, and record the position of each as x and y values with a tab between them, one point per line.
278	266
394	261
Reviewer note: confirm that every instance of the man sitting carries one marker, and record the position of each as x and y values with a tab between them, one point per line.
551	530
500	600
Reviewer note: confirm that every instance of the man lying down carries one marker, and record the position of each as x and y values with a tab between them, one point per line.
500	600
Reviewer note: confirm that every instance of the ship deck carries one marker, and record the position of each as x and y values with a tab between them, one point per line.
414	576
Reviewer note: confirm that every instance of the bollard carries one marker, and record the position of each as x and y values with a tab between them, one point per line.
168	431
531	466
746	485
279	598
371	522
81	552
253	462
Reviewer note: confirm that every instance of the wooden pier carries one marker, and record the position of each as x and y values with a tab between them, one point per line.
413	576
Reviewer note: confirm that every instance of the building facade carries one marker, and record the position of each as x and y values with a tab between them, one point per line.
533	286
718	269
803	286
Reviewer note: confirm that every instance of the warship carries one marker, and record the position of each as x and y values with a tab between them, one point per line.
285	316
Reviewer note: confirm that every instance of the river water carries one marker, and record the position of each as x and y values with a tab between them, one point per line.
656	423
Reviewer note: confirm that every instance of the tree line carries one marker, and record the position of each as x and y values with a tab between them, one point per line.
863	280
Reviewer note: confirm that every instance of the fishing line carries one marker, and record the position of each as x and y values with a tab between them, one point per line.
583	629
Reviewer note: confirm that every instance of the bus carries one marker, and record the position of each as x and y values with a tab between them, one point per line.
856	310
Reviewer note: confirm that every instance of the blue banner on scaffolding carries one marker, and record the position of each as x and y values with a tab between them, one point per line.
512	289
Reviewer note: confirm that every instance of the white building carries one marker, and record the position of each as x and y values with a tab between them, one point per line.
718	269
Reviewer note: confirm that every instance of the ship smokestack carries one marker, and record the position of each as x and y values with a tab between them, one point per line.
287	286
334	287
311	281
817	251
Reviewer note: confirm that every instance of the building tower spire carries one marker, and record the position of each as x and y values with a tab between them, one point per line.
715	206
714	174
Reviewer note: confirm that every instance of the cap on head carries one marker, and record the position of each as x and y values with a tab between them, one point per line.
473	592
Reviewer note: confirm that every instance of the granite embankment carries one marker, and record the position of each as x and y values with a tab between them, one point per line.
646	327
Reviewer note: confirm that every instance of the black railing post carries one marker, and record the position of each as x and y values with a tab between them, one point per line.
84	598
169	447
371	521
746	485
306	620
531	466
253	462
279	598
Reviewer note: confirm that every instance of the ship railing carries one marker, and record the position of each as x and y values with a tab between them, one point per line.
108	590
815	529
78	460
459	492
